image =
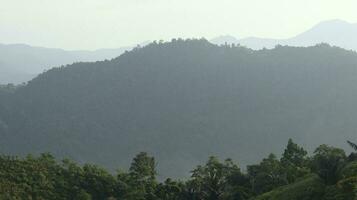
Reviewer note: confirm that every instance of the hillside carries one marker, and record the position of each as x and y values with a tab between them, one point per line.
182	101
309	188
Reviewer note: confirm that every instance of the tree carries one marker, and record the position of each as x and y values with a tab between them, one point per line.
142	178
294	154
211	181
83	195
170	190
71	180
267	175
294	161
122	188
353	145
240	187
98	182
326	162
143	168
353	155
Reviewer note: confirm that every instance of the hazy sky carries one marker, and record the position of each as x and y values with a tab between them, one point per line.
92	24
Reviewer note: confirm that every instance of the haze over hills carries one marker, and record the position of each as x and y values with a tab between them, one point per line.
21	63
334	32
183	101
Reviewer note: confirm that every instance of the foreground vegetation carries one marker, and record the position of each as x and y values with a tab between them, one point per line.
327	174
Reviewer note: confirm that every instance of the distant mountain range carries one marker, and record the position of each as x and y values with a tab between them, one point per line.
334	32
20	63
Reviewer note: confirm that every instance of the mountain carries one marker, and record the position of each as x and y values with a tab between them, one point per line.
183	101
334	32
20	63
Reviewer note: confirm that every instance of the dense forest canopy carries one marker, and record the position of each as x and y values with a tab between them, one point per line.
327	174
182	101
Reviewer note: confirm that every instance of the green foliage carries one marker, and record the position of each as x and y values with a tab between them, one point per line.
213	180
334	192
294	161
309	188
294	155
142	168
353	145
141	178
83	195
349	170
348	180
98	182
349	185
43	178
269	174
170	190
327	161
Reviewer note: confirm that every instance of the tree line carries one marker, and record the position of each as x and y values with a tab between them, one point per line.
43	177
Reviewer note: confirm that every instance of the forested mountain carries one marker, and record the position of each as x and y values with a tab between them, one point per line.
182	101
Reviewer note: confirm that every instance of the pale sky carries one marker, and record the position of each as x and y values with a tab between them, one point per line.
93	24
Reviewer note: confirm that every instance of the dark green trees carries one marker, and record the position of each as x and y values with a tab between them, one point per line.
353	145
353	155
98	182
211	180
328	175
170	190
327	161
140	182
44	178
142	168
218	181
294	161
272	172
267	175
294	155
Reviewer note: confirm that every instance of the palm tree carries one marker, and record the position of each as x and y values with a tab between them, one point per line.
353	145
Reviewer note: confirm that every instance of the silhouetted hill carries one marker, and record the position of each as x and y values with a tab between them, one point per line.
183	101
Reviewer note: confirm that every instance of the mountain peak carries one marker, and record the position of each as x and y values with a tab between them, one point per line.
334	22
